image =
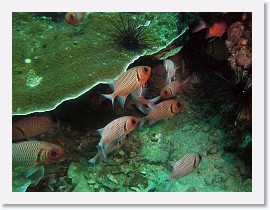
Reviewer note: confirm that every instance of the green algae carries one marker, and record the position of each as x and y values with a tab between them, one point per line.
72	59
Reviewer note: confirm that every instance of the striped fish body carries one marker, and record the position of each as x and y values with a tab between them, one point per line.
171	89
118	128
31	126
164	110
185	165
129	81
32	153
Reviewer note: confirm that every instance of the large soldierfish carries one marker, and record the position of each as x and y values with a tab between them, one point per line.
129	81
35	155
115	131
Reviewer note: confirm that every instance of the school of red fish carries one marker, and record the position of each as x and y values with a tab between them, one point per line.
37	154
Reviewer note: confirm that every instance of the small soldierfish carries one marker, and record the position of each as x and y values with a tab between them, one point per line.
140	102
129	81
170	68
32	126
173	88
216	29
110	148
35	155
163	110
183	166
115	131
74	18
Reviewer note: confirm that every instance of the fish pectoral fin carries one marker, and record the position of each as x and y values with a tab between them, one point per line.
35	174
30	171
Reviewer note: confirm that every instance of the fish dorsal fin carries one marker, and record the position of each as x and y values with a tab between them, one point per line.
100	131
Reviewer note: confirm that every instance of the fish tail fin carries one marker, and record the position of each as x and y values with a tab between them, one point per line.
102	150
122	100
109	96
142	108
169	185
141	122
152	102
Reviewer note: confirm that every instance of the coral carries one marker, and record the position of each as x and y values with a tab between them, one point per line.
71	60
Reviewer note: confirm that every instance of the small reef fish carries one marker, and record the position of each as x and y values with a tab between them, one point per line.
163	110
35	155
110	148
32	126
170	68
182	167
129	81
140	101
74	18
115	131
173	88
216	29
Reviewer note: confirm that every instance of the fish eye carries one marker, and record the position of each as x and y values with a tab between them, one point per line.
53	154
145	69
133	121
178	104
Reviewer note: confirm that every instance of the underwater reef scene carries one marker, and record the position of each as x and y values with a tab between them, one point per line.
132	102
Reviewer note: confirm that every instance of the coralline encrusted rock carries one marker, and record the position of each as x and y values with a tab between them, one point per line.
73	59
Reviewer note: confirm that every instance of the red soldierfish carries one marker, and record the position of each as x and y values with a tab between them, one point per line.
129	81
140	101
35	154
170	69
115	131
31	126
217	29
163	110
74	18
110	148
173	88
183	166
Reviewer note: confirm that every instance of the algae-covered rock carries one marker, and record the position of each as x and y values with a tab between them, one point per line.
55	61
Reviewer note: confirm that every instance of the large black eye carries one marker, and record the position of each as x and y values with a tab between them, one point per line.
53	153
133	121
145	69
178	104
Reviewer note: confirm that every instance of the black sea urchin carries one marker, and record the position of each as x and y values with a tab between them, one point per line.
128	33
